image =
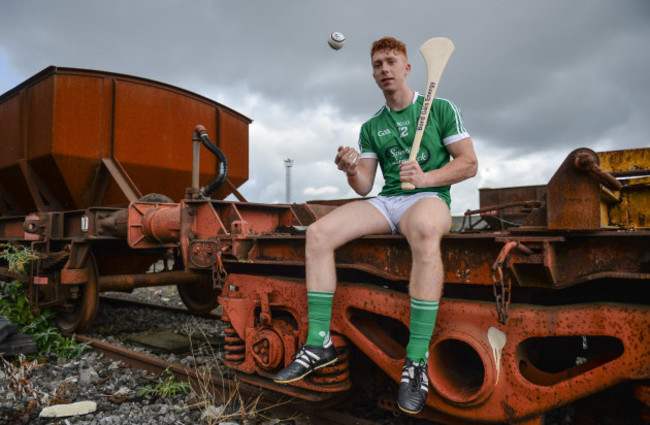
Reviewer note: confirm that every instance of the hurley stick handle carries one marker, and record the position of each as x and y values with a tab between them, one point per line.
436	53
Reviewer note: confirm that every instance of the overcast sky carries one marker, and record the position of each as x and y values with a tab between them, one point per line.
534	79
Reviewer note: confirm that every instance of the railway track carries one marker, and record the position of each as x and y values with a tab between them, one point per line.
155	365
279	406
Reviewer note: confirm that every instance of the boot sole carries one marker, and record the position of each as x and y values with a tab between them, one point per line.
411	412
286	381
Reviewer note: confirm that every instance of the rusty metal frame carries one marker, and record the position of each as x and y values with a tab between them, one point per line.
126	185
41	195
508	381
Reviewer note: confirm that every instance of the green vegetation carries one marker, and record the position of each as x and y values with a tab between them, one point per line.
18	257
15	306
167	386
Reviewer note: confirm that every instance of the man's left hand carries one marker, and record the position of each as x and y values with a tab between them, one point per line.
410	172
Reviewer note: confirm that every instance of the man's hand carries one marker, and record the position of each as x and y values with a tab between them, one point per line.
410	172
462	166
347	160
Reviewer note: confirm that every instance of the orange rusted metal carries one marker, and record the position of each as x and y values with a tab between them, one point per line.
265	339
479	369
78	138
573	196
153	225
129	282
551	260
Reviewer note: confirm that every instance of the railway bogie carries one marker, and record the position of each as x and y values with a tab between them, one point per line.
545	286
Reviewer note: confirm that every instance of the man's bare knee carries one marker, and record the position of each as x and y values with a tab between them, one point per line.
313	234
317	238
424	233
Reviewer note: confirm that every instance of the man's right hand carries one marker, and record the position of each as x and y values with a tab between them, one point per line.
347	160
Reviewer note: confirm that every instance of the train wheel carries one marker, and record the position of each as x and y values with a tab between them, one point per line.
199	298
85	305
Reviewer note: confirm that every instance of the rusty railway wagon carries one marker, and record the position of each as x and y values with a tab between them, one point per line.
545	300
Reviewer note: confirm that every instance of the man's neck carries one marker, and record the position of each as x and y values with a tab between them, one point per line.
400	99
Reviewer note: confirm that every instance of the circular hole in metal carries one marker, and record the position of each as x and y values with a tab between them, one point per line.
456	370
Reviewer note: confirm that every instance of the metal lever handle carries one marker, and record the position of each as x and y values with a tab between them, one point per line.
587	162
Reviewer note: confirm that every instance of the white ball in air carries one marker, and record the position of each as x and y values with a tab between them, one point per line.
336	40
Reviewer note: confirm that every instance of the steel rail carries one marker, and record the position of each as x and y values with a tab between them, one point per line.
136	360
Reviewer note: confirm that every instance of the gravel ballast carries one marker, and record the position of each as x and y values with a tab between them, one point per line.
118	391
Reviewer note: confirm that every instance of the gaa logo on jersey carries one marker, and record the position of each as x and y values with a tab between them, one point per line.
383	132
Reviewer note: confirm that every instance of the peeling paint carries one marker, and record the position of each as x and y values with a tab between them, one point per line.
497	340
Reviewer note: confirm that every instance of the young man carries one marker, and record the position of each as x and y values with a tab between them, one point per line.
421	215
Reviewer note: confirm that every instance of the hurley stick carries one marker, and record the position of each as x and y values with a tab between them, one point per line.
436	53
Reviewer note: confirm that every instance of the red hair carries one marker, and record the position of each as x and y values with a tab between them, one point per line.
390	44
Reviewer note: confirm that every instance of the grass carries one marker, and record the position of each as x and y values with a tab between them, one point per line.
166	387
15	306
225	402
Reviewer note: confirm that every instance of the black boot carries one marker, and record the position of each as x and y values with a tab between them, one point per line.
308	359
414	387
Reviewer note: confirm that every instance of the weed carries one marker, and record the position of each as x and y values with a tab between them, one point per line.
166	387
221	402
15	306
18	378
18	257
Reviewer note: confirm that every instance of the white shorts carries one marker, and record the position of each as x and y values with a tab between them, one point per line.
393	207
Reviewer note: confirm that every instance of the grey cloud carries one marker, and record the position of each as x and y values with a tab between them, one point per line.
529	76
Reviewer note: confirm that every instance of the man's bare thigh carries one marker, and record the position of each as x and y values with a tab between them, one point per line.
427	211
353	220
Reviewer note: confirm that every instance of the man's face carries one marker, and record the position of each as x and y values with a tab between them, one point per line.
389	69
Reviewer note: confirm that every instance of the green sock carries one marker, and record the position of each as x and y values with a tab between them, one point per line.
423	320
320	313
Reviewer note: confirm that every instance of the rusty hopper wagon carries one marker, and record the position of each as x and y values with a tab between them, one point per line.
545	300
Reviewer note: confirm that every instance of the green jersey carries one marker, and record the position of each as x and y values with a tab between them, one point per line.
388	137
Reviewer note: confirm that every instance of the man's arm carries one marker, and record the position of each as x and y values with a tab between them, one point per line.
463	166
360	171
